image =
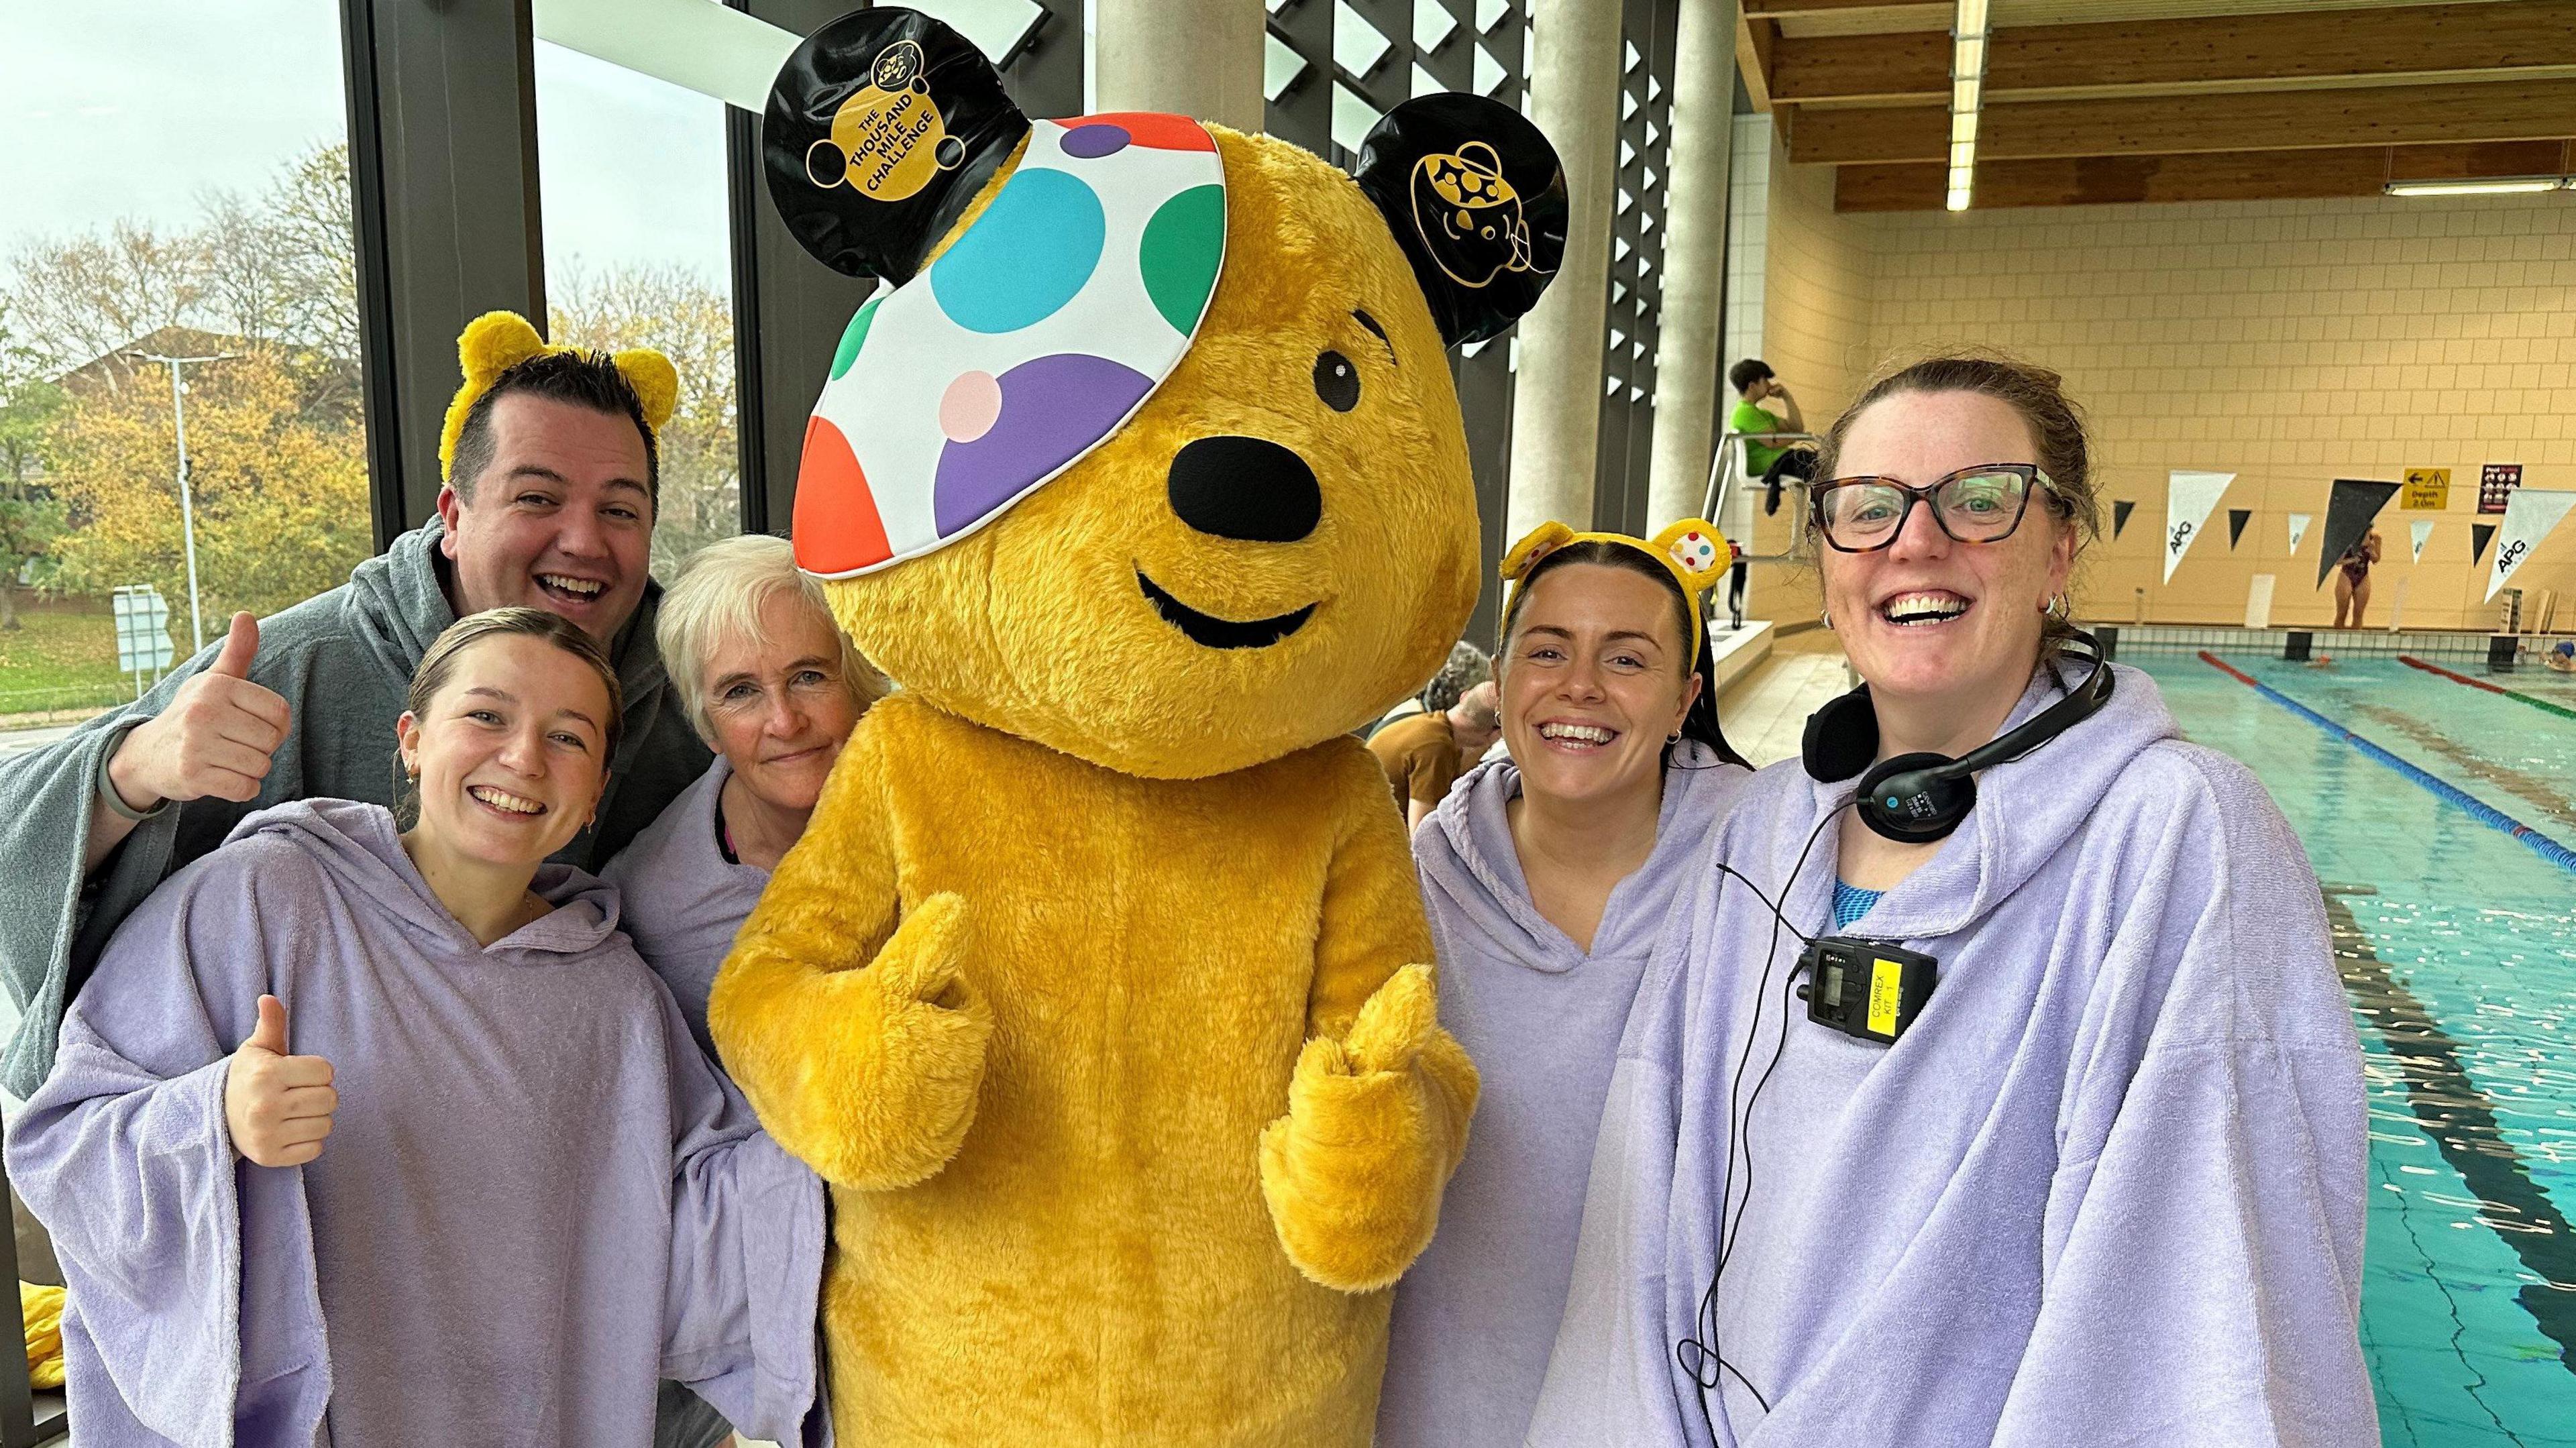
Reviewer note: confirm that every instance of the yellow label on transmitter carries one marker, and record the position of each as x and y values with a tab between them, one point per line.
1886	988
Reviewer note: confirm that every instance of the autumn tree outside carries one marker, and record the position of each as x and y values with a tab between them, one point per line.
276	439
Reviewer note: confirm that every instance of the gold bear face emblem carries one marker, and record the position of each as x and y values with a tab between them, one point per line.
1469	215
888	138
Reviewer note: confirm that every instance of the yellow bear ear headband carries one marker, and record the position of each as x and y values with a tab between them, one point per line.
1692	551
495	342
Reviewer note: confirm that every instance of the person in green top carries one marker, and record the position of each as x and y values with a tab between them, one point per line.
1753	378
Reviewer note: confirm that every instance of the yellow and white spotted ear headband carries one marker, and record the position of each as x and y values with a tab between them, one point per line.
1691	550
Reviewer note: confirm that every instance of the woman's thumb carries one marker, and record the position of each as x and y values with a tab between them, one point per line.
271	1033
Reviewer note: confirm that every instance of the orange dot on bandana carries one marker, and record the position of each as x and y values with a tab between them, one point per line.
837	527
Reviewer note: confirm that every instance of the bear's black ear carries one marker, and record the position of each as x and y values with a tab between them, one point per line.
882	127
1475	197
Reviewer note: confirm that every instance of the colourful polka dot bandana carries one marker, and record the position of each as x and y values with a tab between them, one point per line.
1025	345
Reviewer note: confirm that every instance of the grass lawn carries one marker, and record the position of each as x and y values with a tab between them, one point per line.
63	657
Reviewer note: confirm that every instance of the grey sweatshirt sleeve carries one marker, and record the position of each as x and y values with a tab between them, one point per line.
48	922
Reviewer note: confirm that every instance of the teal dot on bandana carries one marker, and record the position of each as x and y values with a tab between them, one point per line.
853	337
1025	257
1179	255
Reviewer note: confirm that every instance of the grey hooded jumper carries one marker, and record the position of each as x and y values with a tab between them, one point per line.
343	662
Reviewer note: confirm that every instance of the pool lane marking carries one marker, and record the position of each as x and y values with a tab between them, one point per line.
2539	793
2413	662
2476	808
2462	1123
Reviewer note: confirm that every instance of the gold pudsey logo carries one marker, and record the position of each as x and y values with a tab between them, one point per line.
888	139
1469	216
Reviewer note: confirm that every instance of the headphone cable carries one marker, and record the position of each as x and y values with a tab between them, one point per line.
1702	1360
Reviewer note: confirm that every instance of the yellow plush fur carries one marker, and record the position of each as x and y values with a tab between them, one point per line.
1099	987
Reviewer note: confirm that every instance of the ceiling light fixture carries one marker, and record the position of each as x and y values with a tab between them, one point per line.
2482	186
1967	96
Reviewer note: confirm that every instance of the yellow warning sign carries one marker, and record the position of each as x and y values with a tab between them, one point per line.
2428	490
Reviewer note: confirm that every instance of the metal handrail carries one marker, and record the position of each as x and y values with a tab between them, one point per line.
1725	464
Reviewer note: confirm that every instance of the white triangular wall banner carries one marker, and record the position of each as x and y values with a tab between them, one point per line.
2298	531
2528	517
2422	528
2188	498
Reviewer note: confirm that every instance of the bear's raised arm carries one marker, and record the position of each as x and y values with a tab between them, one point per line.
847	1024
1379	1104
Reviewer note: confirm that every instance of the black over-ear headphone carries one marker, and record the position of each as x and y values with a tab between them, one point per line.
1919	798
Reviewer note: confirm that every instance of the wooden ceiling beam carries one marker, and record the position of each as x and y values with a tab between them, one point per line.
1775	9
2367	116
2205	176
2310	45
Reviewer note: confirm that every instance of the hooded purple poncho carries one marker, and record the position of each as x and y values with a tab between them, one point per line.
537	1197
2108	1188
1476	1314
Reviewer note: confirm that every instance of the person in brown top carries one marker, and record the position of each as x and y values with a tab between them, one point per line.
1424	753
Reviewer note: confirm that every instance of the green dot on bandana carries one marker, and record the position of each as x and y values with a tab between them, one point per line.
1182	246
853	337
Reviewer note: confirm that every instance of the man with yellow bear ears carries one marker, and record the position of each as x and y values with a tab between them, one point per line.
1098	987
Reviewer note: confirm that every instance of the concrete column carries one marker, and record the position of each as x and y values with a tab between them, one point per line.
1191	57
1692	330
1556	398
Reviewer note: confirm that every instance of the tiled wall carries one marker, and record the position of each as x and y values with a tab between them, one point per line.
1748	219
2291	343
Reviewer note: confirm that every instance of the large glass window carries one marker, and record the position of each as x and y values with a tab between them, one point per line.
639	253
177	184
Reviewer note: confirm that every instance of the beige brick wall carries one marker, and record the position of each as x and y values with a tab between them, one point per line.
2291	343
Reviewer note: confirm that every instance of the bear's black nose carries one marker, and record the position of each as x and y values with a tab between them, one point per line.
1245	487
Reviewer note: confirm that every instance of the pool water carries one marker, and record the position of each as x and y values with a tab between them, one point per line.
2458	945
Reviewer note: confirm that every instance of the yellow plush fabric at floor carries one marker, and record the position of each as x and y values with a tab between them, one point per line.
42	1308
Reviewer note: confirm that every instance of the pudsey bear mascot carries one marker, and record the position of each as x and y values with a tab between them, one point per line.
1098	987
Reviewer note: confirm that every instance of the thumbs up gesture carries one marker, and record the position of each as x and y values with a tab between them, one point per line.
277	1106
215	738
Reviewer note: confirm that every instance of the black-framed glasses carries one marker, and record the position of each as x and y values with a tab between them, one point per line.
1980	504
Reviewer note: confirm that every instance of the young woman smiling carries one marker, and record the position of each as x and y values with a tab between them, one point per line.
465	1178
1549	876
2107	1185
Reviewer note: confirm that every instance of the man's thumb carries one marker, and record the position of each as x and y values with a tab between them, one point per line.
240	646
271	1035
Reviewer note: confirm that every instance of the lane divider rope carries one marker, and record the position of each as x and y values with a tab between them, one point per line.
2477	809
2413	662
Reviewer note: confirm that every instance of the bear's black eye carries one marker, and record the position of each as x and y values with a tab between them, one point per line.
1337	381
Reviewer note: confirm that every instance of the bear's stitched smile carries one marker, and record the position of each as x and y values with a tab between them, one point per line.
1222	633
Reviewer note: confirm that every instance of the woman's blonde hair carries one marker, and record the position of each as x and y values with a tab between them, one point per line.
439	664
718	598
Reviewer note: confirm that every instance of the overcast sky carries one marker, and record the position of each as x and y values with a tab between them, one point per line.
117	108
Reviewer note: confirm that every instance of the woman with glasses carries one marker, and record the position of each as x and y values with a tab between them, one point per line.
2032	1114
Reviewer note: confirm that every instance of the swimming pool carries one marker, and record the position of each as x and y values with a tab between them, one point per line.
2458	946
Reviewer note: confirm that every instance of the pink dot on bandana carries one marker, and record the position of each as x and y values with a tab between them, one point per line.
968	408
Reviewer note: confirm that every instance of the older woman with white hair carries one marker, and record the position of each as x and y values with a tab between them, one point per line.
774	688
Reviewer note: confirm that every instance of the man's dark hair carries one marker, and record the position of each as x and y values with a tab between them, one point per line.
584	379
1747	372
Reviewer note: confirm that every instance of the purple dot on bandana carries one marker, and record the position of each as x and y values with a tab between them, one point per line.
1094	141
1054	409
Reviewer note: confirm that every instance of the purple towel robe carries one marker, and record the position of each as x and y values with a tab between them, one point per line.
683	900
537	1197
2107	1189
1476	1314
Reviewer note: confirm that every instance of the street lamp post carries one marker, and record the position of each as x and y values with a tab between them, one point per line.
187	507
